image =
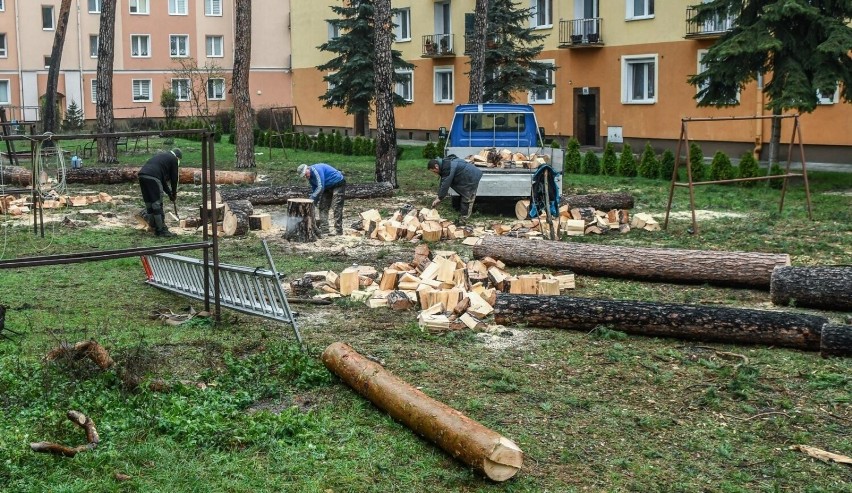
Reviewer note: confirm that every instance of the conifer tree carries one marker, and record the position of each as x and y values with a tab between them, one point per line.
610	161
649	166
591	164
627	163
667	164
696	161
573	159
748	169
73	120
720	167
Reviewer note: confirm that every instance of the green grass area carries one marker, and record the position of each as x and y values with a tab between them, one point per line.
599	411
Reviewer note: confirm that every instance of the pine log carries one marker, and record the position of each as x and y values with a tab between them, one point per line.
599	201
16	175
836	340
829	288
652	264
124	174
236	220
704	323
301	226
465	439
281	194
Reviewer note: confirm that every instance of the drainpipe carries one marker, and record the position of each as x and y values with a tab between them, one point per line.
20	69
81	103
758	111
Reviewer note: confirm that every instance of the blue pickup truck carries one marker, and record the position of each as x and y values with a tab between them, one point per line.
501	126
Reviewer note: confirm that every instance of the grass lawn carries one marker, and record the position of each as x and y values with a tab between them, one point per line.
599	411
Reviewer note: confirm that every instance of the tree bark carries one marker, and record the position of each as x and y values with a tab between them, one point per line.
704	323
652	264
836	340
477	53
385	120
50	116
465	439
599	201
236	220
774	139
107	149
110	176
16	175
829	288
301	225
240	85
280	195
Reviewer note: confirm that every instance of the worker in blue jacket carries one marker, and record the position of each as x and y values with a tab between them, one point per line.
328	188
158	177
460	175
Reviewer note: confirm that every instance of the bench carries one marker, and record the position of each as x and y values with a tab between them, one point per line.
89	147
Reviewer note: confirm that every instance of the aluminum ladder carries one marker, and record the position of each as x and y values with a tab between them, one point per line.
252	291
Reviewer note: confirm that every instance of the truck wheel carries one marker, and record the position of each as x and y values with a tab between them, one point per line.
456	202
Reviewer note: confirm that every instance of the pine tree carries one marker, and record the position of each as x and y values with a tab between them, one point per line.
510	54
667	164
610	161
720	167
649	167
352	83
696	161
573	159
627	163
591	164
429	151
73	120
748	169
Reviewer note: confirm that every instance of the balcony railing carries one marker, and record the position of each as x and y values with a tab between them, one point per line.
710	28
581	33
438	45
490	42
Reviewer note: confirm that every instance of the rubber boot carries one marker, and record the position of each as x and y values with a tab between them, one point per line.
160	228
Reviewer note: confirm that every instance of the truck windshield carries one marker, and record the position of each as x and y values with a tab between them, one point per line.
497	122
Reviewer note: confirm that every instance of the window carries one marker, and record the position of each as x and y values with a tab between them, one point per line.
142	90
179	45
701	68
94	39
213	7
3	49
333	30
214	46
544	95
139	7
4	92
46	61
94	6
94	90
402	19
178	7
140	45
542	13
443	84
2	5
216	89
405	84
639	79
47	17
181	89
640	9
828	98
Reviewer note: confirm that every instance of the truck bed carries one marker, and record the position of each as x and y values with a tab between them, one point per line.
510	182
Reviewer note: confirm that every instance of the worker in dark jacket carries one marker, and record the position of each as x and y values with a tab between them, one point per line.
460	175
328	188
159	176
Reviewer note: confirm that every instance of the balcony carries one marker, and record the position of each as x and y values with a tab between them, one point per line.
710	28
490	43
581	33
438	46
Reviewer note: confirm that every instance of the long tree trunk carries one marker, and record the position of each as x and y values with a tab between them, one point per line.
703	323
600	201
651	264
477	53
280	195
240	85
385	123
775	138
812	287
107	149
50	111
465	439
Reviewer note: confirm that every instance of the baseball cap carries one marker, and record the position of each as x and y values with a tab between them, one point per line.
301	169
177	153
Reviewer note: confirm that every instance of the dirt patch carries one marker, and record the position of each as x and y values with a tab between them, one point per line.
705	214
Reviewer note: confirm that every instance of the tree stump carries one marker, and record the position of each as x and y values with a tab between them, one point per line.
236	220
301	225
828	288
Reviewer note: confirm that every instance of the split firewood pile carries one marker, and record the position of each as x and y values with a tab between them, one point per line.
233	218
18	205
504	158
586	220
451	293
411	224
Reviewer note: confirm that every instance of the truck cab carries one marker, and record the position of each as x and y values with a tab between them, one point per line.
498	126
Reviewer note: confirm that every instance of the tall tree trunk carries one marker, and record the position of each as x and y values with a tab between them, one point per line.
362	123
107	149
240	84
385	123
775	138
50	110
477	53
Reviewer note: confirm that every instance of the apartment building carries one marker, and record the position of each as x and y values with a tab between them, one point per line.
621	70
153	40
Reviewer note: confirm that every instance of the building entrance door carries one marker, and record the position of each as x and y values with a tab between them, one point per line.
586	115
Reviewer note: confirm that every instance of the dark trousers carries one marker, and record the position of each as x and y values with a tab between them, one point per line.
332	198
152	194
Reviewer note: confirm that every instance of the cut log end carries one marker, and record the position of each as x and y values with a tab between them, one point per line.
504	462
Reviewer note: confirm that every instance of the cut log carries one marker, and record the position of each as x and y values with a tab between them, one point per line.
465	439
652	264
836	340
349	281
16	175
124	174
704	323
301	226
281	194
600	201
236	220
522	209
80	420
829	288
260	222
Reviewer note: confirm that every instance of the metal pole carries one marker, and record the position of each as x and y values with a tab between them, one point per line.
211	157
205	215
282	295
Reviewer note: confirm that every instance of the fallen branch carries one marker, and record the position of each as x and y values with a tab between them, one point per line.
84	349
822	455
80	420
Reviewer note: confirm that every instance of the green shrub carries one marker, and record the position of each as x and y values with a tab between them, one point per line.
573	159
627	163
337	146
748	169
667	164
288	140
696	161
554	144
321	142
346	148
720	167
430	151
610	161
442	143
649	166
775	169
591	164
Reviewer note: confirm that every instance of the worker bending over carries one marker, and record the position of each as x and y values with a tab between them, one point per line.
328	188
159	176
460	175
